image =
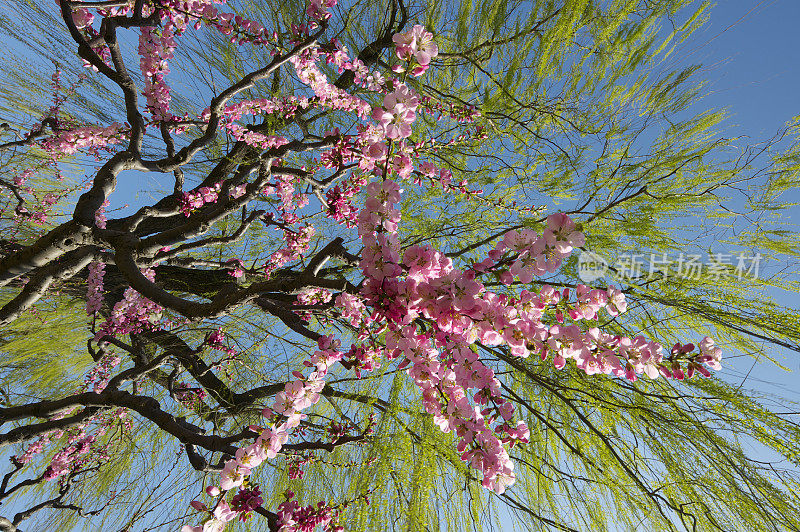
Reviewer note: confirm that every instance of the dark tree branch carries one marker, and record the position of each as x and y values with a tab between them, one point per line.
21	434
199	463
70	264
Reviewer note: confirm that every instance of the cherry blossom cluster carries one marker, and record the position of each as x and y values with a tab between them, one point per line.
240	29
285	415
69	458
398	112
285	106
295	518
94	294
295	244
373	145
216	340
134	314
534	254
459	305
94	291
341	153
81	443
363	357
90	138
464	396
353	308
709	356
254	138
289	200
453	381
98	377
36	447
340	208
156	47
416	45
312	296
245	501
328	94
195	199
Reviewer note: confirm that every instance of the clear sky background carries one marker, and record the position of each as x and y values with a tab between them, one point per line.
750	52
751	55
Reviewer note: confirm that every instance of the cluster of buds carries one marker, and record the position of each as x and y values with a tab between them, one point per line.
195	199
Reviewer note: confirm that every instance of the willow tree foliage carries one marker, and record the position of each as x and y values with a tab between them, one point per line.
278	266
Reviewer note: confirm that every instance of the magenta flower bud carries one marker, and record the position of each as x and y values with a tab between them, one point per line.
703	371
630	373
199	506
543	354
677	371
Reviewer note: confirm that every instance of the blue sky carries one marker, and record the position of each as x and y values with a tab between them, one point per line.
751	60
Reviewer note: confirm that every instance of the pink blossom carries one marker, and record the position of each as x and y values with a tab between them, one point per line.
82	17
233	474
416	43
710	354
